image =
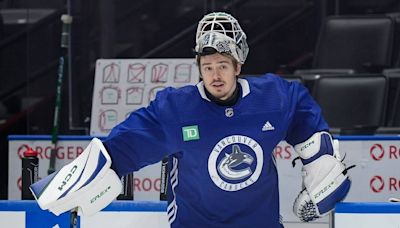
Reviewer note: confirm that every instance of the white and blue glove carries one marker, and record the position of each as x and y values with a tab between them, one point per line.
87	183
325	178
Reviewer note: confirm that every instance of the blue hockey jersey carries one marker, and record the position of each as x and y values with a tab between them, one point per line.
223	172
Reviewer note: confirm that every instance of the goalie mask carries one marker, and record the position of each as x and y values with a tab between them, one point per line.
223	33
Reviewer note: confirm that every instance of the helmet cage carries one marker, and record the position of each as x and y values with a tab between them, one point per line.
222	32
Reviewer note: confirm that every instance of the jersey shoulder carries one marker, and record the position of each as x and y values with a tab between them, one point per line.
269	86
275	84
267	80
171	101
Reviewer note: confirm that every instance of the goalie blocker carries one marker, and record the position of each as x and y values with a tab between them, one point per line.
325	178
87	183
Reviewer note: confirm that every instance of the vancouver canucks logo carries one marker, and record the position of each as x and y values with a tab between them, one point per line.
226	165
235	162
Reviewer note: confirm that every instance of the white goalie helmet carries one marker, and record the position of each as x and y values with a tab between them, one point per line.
222	32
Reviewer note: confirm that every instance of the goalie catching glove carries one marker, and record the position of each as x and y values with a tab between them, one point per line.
87	183
325	178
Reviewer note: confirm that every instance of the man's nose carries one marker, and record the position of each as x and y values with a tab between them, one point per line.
216	74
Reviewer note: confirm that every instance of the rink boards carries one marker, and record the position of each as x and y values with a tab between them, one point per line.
121	214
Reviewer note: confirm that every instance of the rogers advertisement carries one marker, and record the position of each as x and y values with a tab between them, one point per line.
376	178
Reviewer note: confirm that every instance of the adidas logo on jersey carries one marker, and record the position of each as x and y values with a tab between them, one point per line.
268	127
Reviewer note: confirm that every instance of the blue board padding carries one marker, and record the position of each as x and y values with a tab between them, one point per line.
367	137
368	208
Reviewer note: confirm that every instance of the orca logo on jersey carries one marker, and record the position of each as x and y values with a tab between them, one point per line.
236	168
233	160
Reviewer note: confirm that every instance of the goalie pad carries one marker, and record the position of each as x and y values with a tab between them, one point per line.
325	178
87	183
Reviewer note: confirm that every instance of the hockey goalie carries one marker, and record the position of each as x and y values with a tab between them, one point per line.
219	136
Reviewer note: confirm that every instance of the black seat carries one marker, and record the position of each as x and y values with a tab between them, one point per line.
393	112
353	103
396	41
351	45
361	43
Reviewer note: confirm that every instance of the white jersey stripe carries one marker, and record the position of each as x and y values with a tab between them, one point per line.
173	207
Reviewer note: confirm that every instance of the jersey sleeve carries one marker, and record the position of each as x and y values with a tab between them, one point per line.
144	138
304	115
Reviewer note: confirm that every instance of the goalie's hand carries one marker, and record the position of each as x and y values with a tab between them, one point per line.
87	183
326	183
325	178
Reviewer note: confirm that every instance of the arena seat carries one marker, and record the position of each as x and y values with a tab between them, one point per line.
393	111
351	45
361	43
352	104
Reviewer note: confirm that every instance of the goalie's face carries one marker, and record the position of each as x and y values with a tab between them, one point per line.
219	72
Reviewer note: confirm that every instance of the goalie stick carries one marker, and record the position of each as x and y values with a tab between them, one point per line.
66	20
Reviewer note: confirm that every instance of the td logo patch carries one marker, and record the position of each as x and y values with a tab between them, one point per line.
190	133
